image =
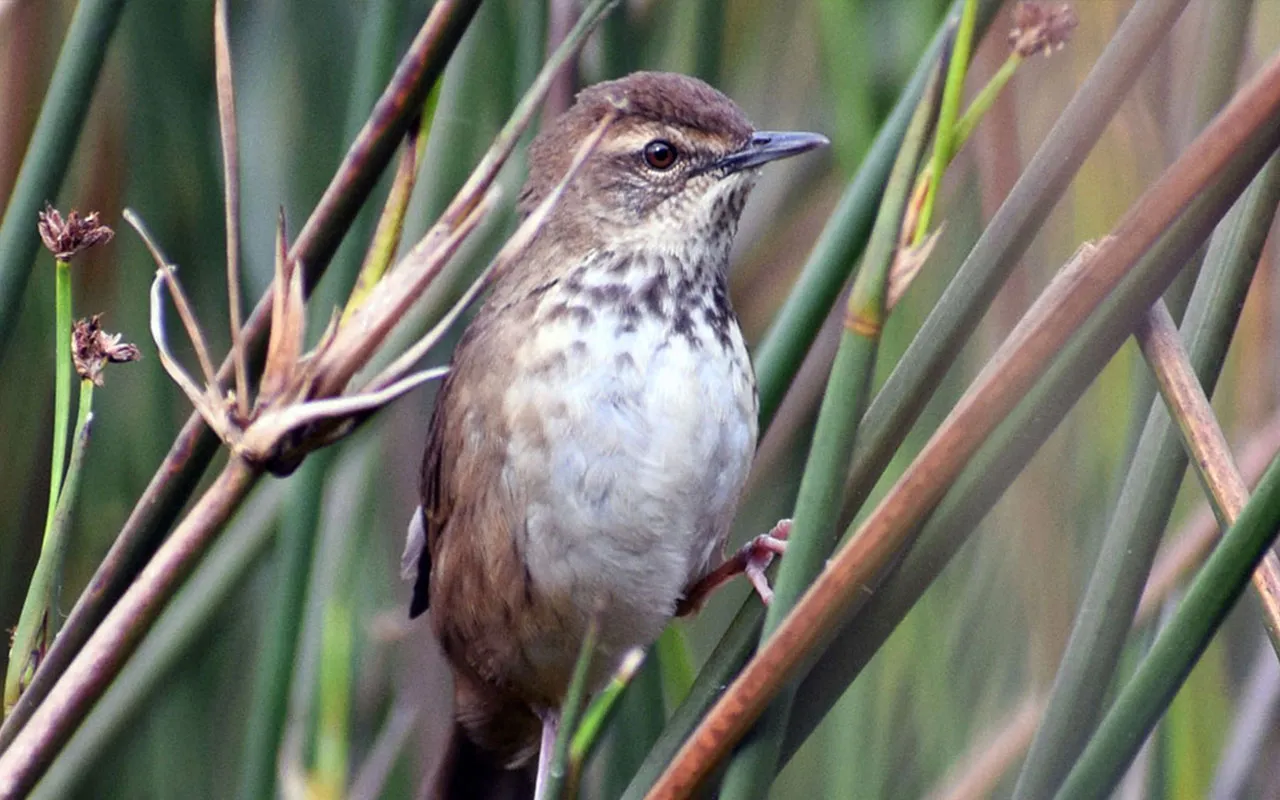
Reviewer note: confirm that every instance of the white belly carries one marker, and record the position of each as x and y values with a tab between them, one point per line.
642	453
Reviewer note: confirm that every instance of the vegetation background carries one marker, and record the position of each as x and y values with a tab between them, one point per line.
367	697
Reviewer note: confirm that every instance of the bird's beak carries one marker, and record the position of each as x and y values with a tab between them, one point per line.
766	146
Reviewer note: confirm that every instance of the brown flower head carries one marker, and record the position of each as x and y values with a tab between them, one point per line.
92	348
67	237
1041	28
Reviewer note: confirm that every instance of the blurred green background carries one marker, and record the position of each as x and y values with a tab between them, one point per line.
368	697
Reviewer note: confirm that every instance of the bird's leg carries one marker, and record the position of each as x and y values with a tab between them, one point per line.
550	726
752	560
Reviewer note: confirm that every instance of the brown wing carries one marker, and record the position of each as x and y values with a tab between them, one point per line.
434	501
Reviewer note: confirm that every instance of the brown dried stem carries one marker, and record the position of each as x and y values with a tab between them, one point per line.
1197	536
1248	126
1162	347
514	246
231	184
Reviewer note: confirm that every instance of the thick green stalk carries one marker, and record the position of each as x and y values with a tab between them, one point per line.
710	39
678	672
53	142
843	37
35	626
1178	647
280	635
814	533
1142	511
61	381
333	722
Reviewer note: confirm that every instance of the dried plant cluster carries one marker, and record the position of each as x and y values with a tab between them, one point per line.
66	238
93	348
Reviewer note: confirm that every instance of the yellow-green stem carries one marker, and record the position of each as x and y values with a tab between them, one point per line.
36	623
983	101
558	773
598	713
943	144
677	665
386	237
61	382
330	777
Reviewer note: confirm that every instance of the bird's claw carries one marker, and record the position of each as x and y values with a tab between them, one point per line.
757	554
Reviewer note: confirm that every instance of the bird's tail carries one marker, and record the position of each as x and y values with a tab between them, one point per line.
491	747
469	772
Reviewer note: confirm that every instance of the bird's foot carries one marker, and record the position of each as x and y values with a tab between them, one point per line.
752	559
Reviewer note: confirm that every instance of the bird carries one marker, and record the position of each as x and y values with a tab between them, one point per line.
589	445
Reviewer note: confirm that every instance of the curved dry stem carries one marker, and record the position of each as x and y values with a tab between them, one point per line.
176	373
264	435
165	270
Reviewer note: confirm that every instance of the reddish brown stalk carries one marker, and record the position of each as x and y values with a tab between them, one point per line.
1161	345
1190	547
1072	296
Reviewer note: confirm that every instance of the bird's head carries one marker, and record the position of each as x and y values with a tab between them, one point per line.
675	166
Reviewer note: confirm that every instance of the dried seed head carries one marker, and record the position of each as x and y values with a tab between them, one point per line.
1041	28
93	348
67	237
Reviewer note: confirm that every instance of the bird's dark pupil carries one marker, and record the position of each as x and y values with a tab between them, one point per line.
659	154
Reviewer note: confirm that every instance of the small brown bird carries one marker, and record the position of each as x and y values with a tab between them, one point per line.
589	445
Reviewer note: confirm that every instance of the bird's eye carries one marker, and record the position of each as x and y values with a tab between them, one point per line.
660	154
